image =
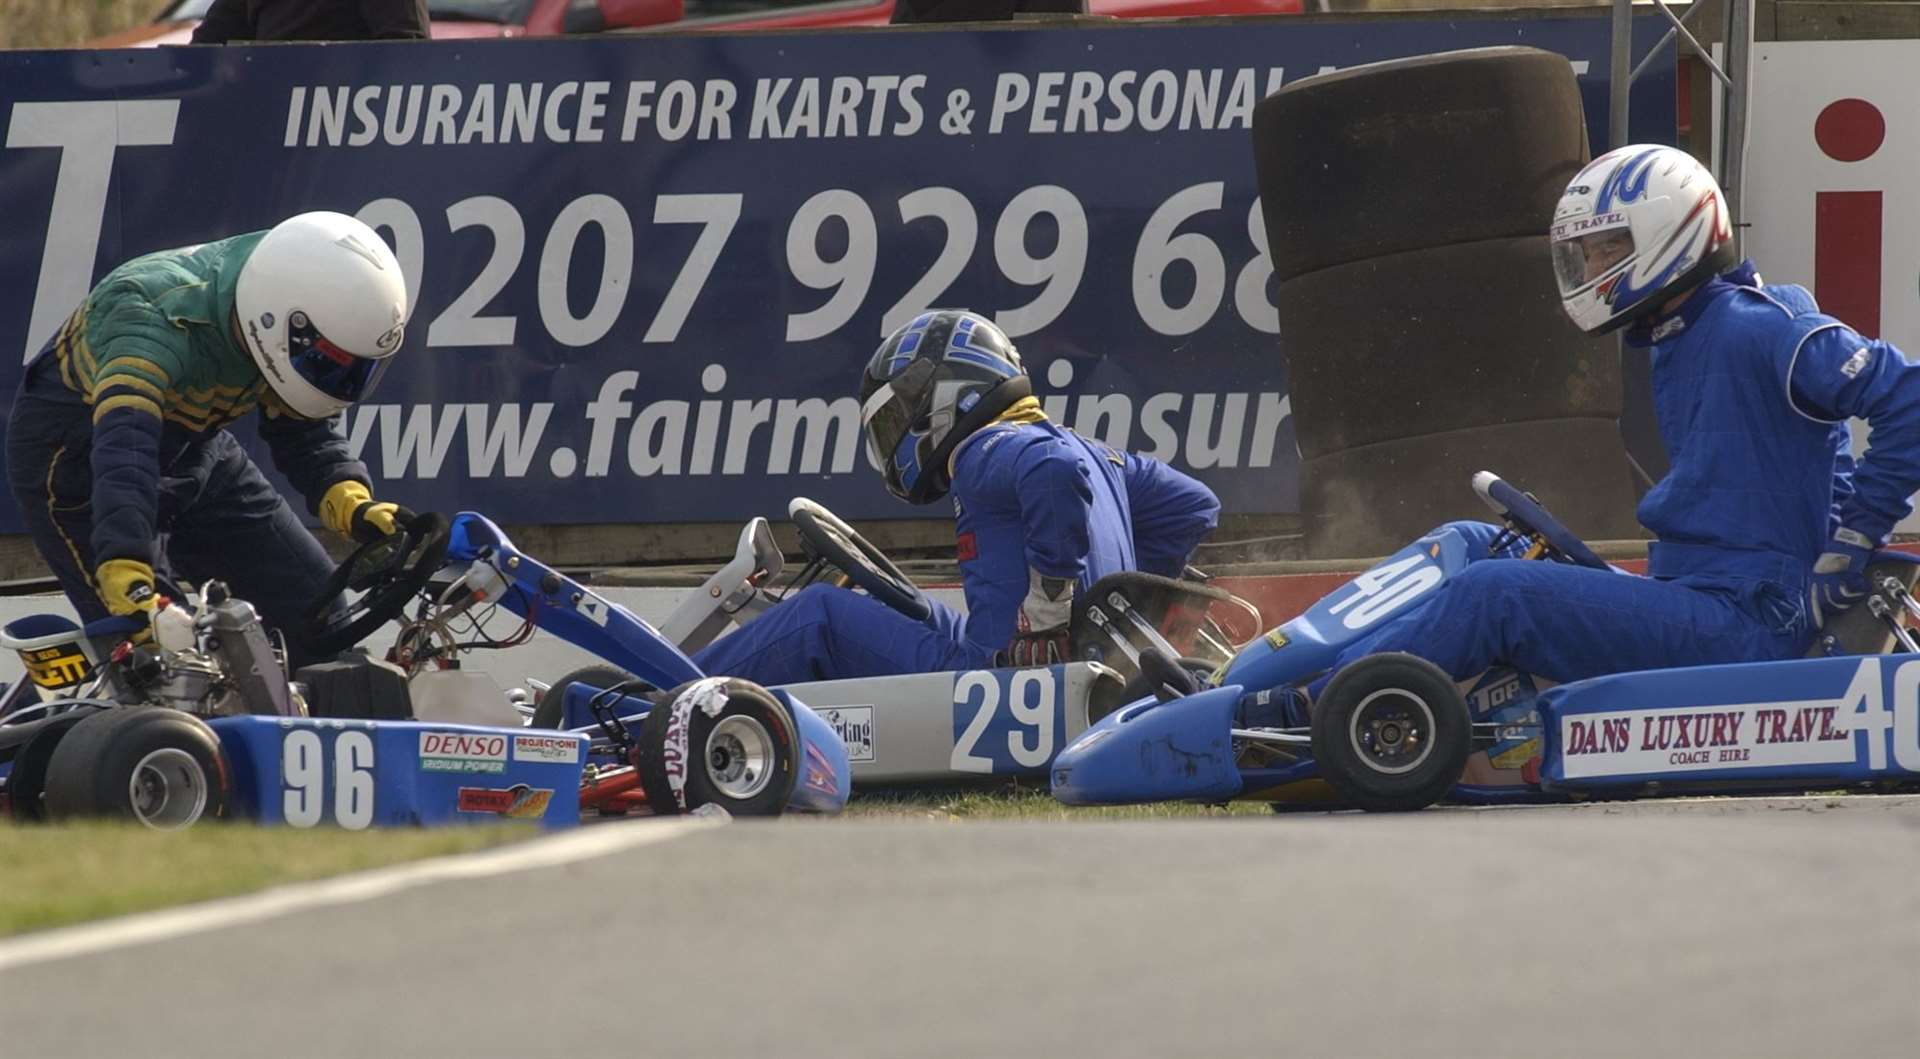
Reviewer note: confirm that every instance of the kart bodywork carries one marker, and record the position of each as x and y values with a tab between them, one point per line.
954	727
259	752
1843	716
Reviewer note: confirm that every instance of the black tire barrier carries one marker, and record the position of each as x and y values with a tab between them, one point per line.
1373	499
1413	153
1438	339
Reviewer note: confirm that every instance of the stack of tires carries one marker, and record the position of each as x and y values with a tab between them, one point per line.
1407	205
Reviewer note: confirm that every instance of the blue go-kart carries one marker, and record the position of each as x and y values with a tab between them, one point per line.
1393	732
201	720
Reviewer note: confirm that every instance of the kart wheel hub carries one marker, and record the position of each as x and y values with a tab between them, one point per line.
167	790
1389	731
740	757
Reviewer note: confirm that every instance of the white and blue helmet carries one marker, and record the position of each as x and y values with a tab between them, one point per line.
939	378
1636	227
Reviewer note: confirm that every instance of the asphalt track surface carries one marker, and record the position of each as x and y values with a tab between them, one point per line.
1750	929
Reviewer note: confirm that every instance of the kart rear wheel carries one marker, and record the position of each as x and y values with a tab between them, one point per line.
27	782
553	704
1391	733
158	766
721	742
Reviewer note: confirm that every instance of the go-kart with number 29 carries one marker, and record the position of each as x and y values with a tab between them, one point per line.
1394	732
991	725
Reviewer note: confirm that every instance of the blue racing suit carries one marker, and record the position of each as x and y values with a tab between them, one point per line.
1025	496
1752	387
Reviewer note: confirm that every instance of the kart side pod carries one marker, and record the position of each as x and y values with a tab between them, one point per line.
1151	751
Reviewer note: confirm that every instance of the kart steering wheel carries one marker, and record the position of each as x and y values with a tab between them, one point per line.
389	572
825	536
1528	515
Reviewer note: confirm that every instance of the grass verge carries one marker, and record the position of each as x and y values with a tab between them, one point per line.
1021	804
55	876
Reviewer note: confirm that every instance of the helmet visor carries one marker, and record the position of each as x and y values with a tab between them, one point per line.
1579	260
325	366
889	413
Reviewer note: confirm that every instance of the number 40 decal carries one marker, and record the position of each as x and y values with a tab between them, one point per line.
303	774
1380	591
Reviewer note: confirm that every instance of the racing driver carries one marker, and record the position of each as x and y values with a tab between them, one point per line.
117	448
1764	523
1040	514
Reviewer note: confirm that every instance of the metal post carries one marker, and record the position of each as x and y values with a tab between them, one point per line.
1620	84
1733	158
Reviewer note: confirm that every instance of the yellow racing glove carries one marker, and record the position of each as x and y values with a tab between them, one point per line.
350	510
126	586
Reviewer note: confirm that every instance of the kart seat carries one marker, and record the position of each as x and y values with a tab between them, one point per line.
731	594
1857	631
1126	614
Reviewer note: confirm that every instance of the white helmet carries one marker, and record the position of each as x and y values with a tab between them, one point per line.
323	306
1636	227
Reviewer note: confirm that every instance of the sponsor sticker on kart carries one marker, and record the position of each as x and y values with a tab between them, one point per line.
1635	742
56	667
519	802
548	749
820	774
462	752
855	727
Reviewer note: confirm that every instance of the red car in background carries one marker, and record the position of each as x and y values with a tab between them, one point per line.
453	19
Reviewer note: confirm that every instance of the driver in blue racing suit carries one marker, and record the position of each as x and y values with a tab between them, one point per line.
1040	514
1764	524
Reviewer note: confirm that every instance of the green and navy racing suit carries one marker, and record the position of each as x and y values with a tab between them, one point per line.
117	447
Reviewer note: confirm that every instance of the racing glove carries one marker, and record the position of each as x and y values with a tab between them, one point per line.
126	587
1040	636
1839	576
350	510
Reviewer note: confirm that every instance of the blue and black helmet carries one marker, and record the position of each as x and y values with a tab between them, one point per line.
943	376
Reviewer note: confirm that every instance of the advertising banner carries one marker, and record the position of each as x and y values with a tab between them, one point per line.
648	270
1830	204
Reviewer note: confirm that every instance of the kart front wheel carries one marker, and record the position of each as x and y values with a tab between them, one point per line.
152	764
1391	733
715	741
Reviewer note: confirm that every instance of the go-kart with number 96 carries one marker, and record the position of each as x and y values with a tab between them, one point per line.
1393	732
203	722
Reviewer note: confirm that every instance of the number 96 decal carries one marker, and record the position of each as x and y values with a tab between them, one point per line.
1006	720
314	782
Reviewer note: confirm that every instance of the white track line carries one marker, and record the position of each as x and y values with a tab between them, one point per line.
148	927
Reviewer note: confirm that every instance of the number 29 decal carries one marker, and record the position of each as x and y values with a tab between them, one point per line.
1023	735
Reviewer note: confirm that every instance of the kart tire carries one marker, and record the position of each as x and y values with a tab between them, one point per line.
552	708
1367	729
151	764
27	781
743	757
1413	153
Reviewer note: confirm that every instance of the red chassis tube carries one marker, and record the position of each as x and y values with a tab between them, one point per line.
614	790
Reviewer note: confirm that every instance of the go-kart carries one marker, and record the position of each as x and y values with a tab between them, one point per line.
170	733
1393	732
954	727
